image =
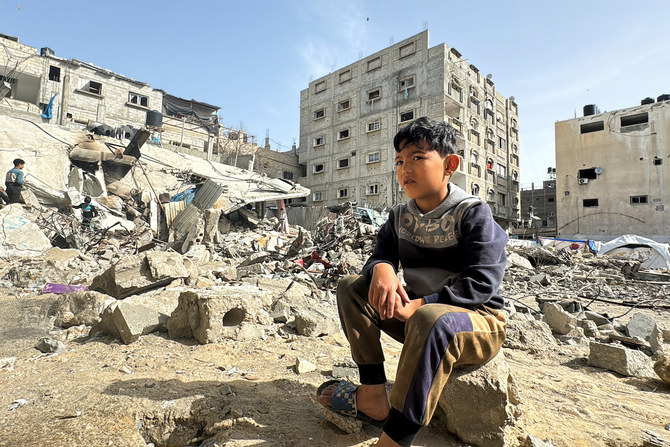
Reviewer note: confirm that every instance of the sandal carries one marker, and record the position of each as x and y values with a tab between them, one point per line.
344	401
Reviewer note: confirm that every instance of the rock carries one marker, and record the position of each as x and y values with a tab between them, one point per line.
76	308
49	345
662	368
345	370
589	327
540	278
640	326
346	424
478	403
135	274
312	323
596	318
214	314
531	335
303	366
558	320
617	358
199	254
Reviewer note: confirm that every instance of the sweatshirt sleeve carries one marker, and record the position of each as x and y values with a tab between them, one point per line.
386	249
483	247
19	178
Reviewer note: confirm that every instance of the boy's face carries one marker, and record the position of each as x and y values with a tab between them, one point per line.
424	174
20	166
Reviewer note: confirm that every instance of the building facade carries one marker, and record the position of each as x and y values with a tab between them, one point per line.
82	94
613	170
539	203
348	120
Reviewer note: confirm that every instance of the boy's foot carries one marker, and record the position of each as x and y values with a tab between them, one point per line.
370	400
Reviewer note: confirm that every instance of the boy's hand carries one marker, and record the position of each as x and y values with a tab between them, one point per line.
386	292
404	311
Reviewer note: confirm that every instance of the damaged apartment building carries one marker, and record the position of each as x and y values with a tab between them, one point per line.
349	117
612	172
39	86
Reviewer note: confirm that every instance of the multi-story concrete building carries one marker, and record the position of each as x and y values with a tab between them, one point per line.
348	120
540	203
612	172
82	94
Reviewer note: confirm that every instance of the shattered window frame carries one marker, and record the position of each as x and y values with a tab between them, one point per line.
319	114
319	168
319	141
372	190
317	196
344	105
342	193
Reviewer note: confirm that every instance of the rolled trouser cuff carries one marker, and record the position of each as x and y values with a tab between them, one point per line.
400	429
372	374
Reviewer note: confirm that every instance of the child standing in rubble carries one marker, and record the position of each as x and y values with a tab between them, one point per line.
452	254
14	181
88	212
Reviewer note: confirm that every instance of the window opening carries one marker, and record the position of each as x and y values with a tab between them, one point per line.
590	202
54	73
343	163
632	120
343	134
407	116
636	200
592	127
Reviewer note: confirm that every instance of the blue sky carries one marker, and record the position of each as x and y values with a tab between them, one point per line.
252	58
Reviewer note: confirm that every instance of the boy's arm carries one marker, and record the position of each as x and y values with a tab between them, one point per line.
19	178
95	212
386	293
484	260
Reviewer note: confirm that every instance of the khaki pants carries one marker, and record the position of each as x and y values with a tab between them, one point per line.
437	338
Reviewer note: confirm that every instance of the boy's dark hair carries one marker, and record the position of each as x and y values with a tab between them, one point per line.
18	161
87	199
439	135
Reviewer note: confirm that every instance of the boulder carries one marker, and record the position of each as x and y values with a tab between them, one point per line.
480	403
531	335
617	358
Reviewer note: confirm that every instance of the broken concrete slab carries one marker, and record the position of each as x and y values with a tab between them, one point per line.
129	321
135	274
516	260
479	403
214	314
617	358
558	320
77	308
541	279
20	237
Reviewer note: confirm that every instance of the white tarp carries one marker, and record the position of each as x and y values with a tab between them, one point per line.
651	254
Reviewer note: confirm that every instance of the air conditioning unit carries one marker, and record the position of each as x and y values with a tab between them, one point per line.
583	181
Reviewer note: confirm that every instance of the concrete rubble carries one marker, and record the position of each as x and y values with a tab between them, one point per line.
218	271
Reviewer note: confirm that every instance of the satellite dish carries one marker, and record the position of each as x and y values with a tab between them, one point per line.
489	76
598	171
512	98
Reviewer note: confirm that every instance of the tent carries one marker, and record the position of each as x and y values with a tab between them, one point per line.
651	254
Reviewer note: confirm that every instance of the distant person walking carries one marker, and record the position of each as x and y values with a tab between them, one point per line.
14	181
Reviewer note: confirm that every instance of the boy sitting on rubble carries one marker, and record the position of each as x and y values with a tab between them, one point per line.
88	212
452	254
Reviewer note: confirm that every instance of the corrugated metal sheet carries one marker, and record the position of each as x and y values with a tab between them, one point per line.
185	220
172	210
208	195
